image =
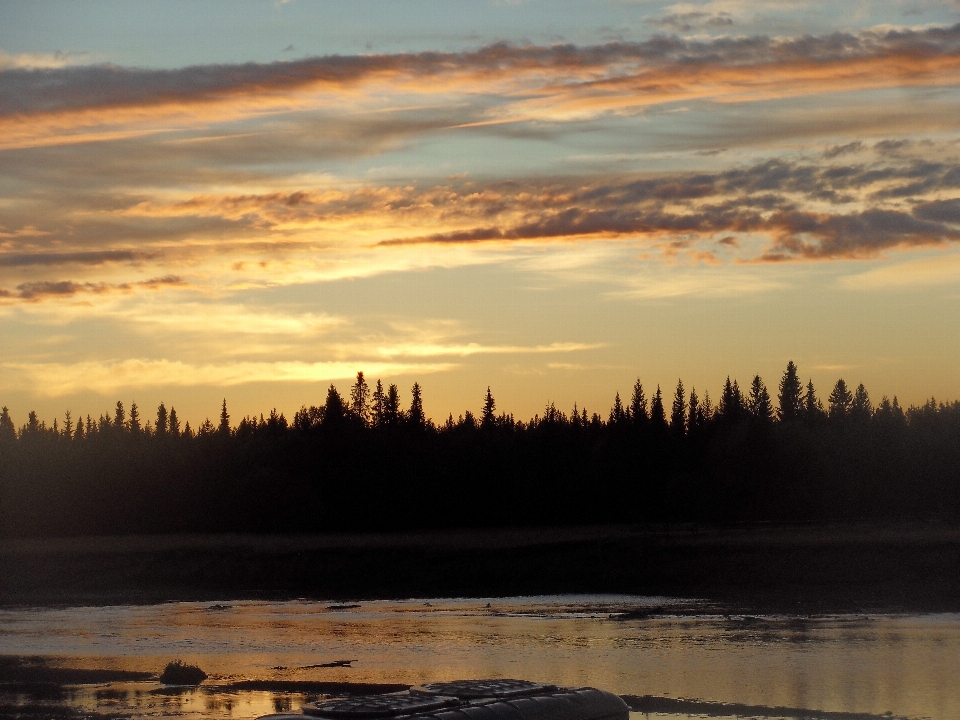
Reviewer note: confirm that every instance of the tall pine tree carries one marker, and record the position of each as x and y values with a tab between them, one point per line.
791	395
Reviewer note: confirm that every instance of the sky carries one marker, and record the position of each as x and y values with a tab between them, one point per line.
252	200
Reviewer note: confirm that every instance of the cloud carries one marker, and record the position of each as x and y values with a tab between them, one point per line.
854	235
923	272
939	211
464	350
33	61
46	289
706	283
521	83
687	21
57	379
94	257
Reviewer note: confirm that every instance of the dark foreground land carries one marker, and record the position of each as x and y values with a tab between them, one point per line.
803	569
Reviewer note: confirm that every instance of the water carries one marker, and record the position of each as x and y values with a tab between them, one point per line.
908	665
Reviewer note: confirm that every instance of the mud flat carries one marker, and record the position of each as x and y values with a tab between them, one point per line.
797	568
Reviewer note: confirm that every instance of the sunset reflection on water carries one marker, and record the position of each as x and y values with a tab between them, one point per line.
906	664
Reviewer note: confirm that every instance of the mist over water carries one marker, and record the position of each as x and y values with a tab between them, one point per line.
904	664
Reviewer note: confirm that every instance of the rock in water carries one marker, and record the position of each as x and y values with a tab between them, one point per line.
179	673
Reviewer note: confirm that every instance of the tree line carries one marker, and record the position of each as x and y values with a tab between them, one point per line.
368	460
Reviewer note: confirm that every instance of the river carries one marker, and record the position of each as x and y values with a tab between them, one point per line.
907	665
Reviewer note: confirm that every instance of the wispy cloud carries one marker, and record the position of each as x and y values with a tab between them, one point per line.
94	257
57	379
919	273
41	61
467	349
43	290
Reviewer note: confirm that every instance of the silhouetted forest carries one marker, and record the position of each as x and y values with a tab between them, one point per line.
370	461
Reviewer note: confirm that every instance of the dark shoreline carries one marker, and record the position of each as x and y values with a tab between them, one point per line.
33	687
803	569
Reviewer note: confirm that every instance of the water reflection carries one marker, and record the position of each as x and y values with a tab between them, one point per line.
907	665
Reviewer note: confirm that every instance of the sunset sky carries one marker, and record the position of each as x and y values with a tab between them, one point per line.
252	200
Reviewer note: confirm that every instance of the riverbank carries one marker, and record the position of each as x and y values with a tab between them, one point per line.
799	568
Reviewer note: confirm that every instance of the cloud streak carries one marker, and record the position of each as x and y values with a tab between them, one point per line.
57	379
94	257
46	289
520	83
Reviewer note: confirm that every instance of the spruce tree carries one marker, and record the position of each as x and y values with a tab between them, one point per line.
812	408
67	425
134	418
333	407
120	418
617	413
678	410
707	409
391	406
162	420
694	413
791	400
840	400
359	395
731	401
638	405
415	414
658	418
224	427
487	418
8	432
174	423
860	407
378	405
760	407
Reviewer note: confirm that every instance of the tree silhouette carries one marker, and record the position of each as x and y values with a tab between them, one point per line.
812	408
134	419
678	410
8	432
638	405
174	423
694	413
790	397
224	427
359	399
731	401
760	407
120	419
415	414
333	408
392	413
861	409
840	400
378	405
487	418
162	420
658	418
617	413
